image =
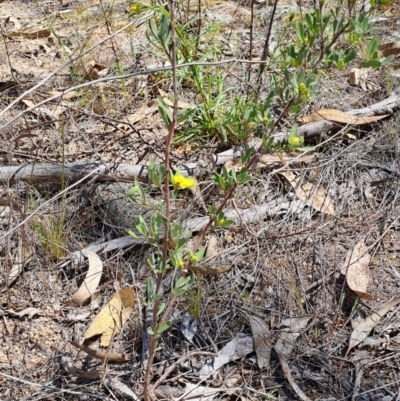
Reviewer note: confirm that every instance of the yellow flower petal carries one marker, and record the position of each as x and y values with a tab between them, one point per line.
295	140
181	182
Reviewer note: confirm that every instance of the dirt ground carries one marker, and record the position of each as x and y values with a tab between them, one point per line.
284	285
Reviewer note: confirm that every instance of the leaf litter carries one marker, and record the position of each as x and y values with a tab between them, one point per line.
365	326
273	226
91	281
112	317
356	270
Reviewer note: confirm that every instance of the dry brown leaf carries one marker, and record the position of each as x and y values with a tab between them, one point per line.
212	248
181	103
355	268
262	341
23	256
92	279
105	356
360	333
210	271
310	194
49	111
66	96
339	117
40	33
390	48
112	317
144	111
284	347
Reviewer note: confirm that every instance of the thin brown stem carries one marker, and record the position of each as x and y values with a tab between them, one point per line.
148	393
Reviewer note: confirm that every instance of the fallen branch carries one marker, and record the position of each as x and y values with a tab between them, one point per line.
50	172
72	172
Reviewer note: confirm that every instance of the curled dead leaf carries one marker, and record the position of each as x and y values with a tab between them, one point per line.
112	317
339	117
310	194
262	341
181	103
390	48
92	279
355	268
210	271
34	34
361	331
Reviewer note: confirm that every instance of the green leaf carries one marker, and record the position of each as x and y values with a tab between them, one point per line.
371	63
373	46
182	285
295	109
387	59
150	289
350	56
132	234
293	131
184	114
306	149
165	112
161	309
160	329
300	31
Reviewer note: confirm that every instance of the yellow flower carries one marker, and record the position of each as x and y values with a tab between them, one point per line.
135	8
302	87
294	141
194	259
181	263
221	221
181	182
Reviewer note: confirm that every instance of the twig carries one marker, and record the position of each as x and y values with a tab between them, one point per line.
59	390
266	46
105	356
176	363
148	391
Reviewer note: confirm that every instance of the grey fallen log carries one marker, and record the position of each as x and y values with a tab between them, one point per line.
51	172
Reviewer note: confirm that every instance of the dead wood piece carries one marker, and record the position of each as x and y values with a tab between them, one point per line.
49	172
105	356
